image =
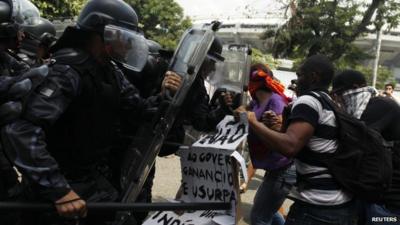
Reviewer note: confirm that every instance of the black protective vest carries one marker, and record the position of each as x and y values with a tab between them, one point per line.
88	128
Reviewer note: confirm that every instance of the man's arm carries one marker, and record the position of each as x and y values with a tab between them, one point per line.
288	144
25	141
303	119
134	104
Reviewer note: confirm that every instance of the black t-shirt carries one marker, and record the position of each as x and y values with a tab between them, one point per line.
383	115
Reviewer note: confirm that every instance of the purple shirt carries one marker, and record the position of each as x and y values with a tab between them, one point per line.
261	157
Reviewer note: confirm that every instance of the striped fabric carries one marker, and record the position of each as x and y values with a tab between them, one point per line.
321	189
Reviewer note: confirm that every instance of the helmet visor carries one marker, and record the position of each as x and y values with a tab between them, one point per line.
25	12
126	46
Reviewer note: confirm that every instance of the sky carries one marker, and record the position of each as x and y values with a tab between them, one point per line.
227	8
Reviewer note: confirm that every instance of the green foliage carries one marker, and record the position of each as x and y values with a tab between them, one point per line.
53	9
259	57
161	20
385	75
331	27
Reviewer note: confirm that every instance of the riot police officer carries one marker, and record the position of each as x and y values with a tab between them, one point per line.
40	35
61	144
10	38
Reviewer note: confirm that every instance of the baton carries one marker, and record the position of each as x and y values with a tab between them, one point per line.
117	206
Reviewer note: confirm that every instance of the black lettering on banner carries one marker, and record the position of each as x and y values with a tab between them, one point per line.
231	123
218	195
220	159
185	188
202	157
215	137
242	129
192	157
208	214
165	220
226	136
156	215
176	222
227	160
194	191
210	194
213	175
209	175
205	139
185	170
221	139
202	193
233	196
213	194
219	178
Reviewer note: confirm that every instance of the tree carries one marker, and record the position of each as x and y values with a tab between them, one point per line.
385	75
267	59
54	9
161	20
330	27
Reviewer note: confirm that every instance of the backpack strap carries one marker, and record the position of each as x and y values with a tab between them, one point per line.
323	98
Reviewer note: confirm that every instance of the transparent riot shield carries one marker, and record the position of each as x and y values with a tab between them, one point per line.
145	147
232	75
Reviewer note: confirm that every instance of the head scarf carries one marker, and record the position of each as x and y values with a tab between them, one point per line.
260	79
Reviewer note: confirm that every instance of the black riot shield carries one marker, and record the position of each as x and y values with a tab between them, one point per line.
232	75
186	62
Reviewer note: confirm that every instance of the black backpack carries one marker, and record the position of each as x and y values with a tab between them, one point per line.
362	163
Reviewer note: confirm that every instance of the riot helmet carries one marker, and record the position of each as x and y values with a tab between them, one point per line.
14	15
213	57
117	22
25	13
215	51
8	27
41	33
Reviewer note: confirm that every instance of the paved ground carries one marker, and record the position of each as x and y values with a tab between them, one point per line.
168	178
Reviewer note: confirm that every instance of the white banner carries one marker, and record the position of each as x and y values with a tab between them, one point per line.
208	176
189	218
230	134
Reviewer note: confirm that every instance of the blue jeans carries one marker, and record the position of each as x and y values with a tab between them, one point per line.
271	194
379	214
306	214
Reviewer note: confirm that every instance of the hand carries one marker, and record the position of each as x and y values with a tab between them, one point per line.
271	120
172	82
251	116
71	206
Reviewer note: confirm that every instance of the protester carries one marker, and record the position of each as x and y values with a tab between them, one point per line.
389	89
350	90
268	97
388	92
311	127
71	119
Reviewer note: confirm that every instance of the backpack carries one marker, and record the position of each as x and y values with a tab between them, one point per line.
362	163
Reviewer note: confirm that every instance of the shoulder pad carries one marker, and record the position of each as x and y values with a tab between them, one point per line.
70	56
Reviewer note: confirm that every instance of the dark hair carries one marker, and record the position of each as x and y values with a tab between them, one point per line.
262	67
321	66
348	79
392	85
